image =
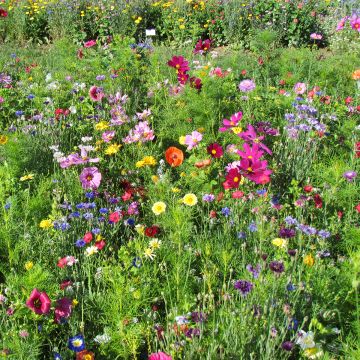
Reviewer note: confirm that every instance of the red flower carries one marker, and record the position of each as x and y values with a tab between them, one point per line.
308	188
63	309
357	149
243	72
90	43
174	156
127	196
80	54
233	178
88	237
212	214
65	284
100	244
348	100
85	355
3	13
357	207
202	47
215	150
62	262
196	83
182	77
237	194
340	214
152	231
114	217
179	63
39	302
318	201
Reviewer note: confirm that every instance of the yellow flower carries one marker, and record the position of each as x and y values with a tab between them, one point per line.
46	224
182	140
146	161
102	125
27	177
140	229
190	199
236	130
74	302
183	174
155	179
314	353
137	294
158	208
182	27
309	260
175	190
3	139
112	149
155	244
282	243
28	265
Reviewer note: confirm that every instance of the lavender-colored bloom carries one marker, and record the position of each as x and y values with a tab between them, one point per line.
323	254
291	221
88	216
96	231
255	271
350	175
277	267
252	227
208	198
198	316
90	178
75	214
242	235
324	234
193	140
225	211
247	85
100	77
243	286
141	133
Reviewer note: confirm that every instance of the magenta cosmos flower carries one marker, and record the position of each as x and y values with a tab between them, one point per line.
63	309
179	63
96	93
355	22
159	356
247	85
299	88
233	122
39	302
215	150
90	43
90	178
202	47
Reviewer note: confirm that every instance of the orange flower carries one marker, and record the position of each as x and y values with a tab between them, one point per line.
203	163
356	74
85	355
174	156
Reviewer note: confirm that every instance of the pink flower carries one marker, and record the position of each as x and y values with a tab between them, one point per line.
96	93
202	47
90	178
1	100
39	302
355	22
193	140
107	136
315	36
341	24
90	43
63	309
233	122
159	356
299	88
247	85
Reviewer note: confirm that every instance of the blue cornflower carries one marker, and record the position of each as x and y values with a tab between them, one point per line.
80	206
96	231
76	343
241	235
88	216
75	214
13	55
137	262
293	325
252	227
80	243
290	287
130	222
225	211
291	221
89	195
57	356
19	113
31	96
7	206
103	210
261	192
65	226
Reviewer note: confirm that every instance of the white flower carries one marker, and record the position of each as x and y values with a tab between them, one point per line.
91	250
102	339
48	77
72	109
305	340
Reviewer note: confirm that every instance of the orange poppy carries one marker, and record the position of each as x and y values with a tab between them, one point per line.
203	163
174	156
356	75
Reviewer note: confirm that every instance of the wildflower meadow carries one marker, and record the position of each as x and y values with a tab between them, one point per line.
179	179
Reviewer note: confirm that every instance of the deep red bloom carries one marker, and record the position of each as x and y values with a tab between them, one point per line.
215	150
80	54
64	284
182	77
196	83
179	63
152	231
114	217
308	188
212	214
318	201
3	13
357	207
127	196
39	302
202	47
63	309
340	214
357	149
243	72
88	237
233	178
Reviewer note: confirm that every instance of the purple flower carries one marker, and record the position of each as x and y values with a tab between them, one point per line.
255	271
243	286
277	267
287	233
350	175
247	85
287	345
198	316
208	198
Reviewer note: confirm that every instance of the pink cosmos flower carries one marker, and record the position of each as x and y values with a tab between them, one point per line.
299	88
107	136
233	122
96	93
355	22
141	133
202	47
315	36
90	43
341	24
39	302
63	309
251	153
90	178
1	99
159	356
250	135
193	140
179	63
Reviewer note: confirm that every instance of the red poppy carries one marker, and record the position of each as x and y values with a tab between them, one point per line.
100	244
152	231
174	156
88	237
308	188
114	217
357	207
318	201
215	150
3	13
